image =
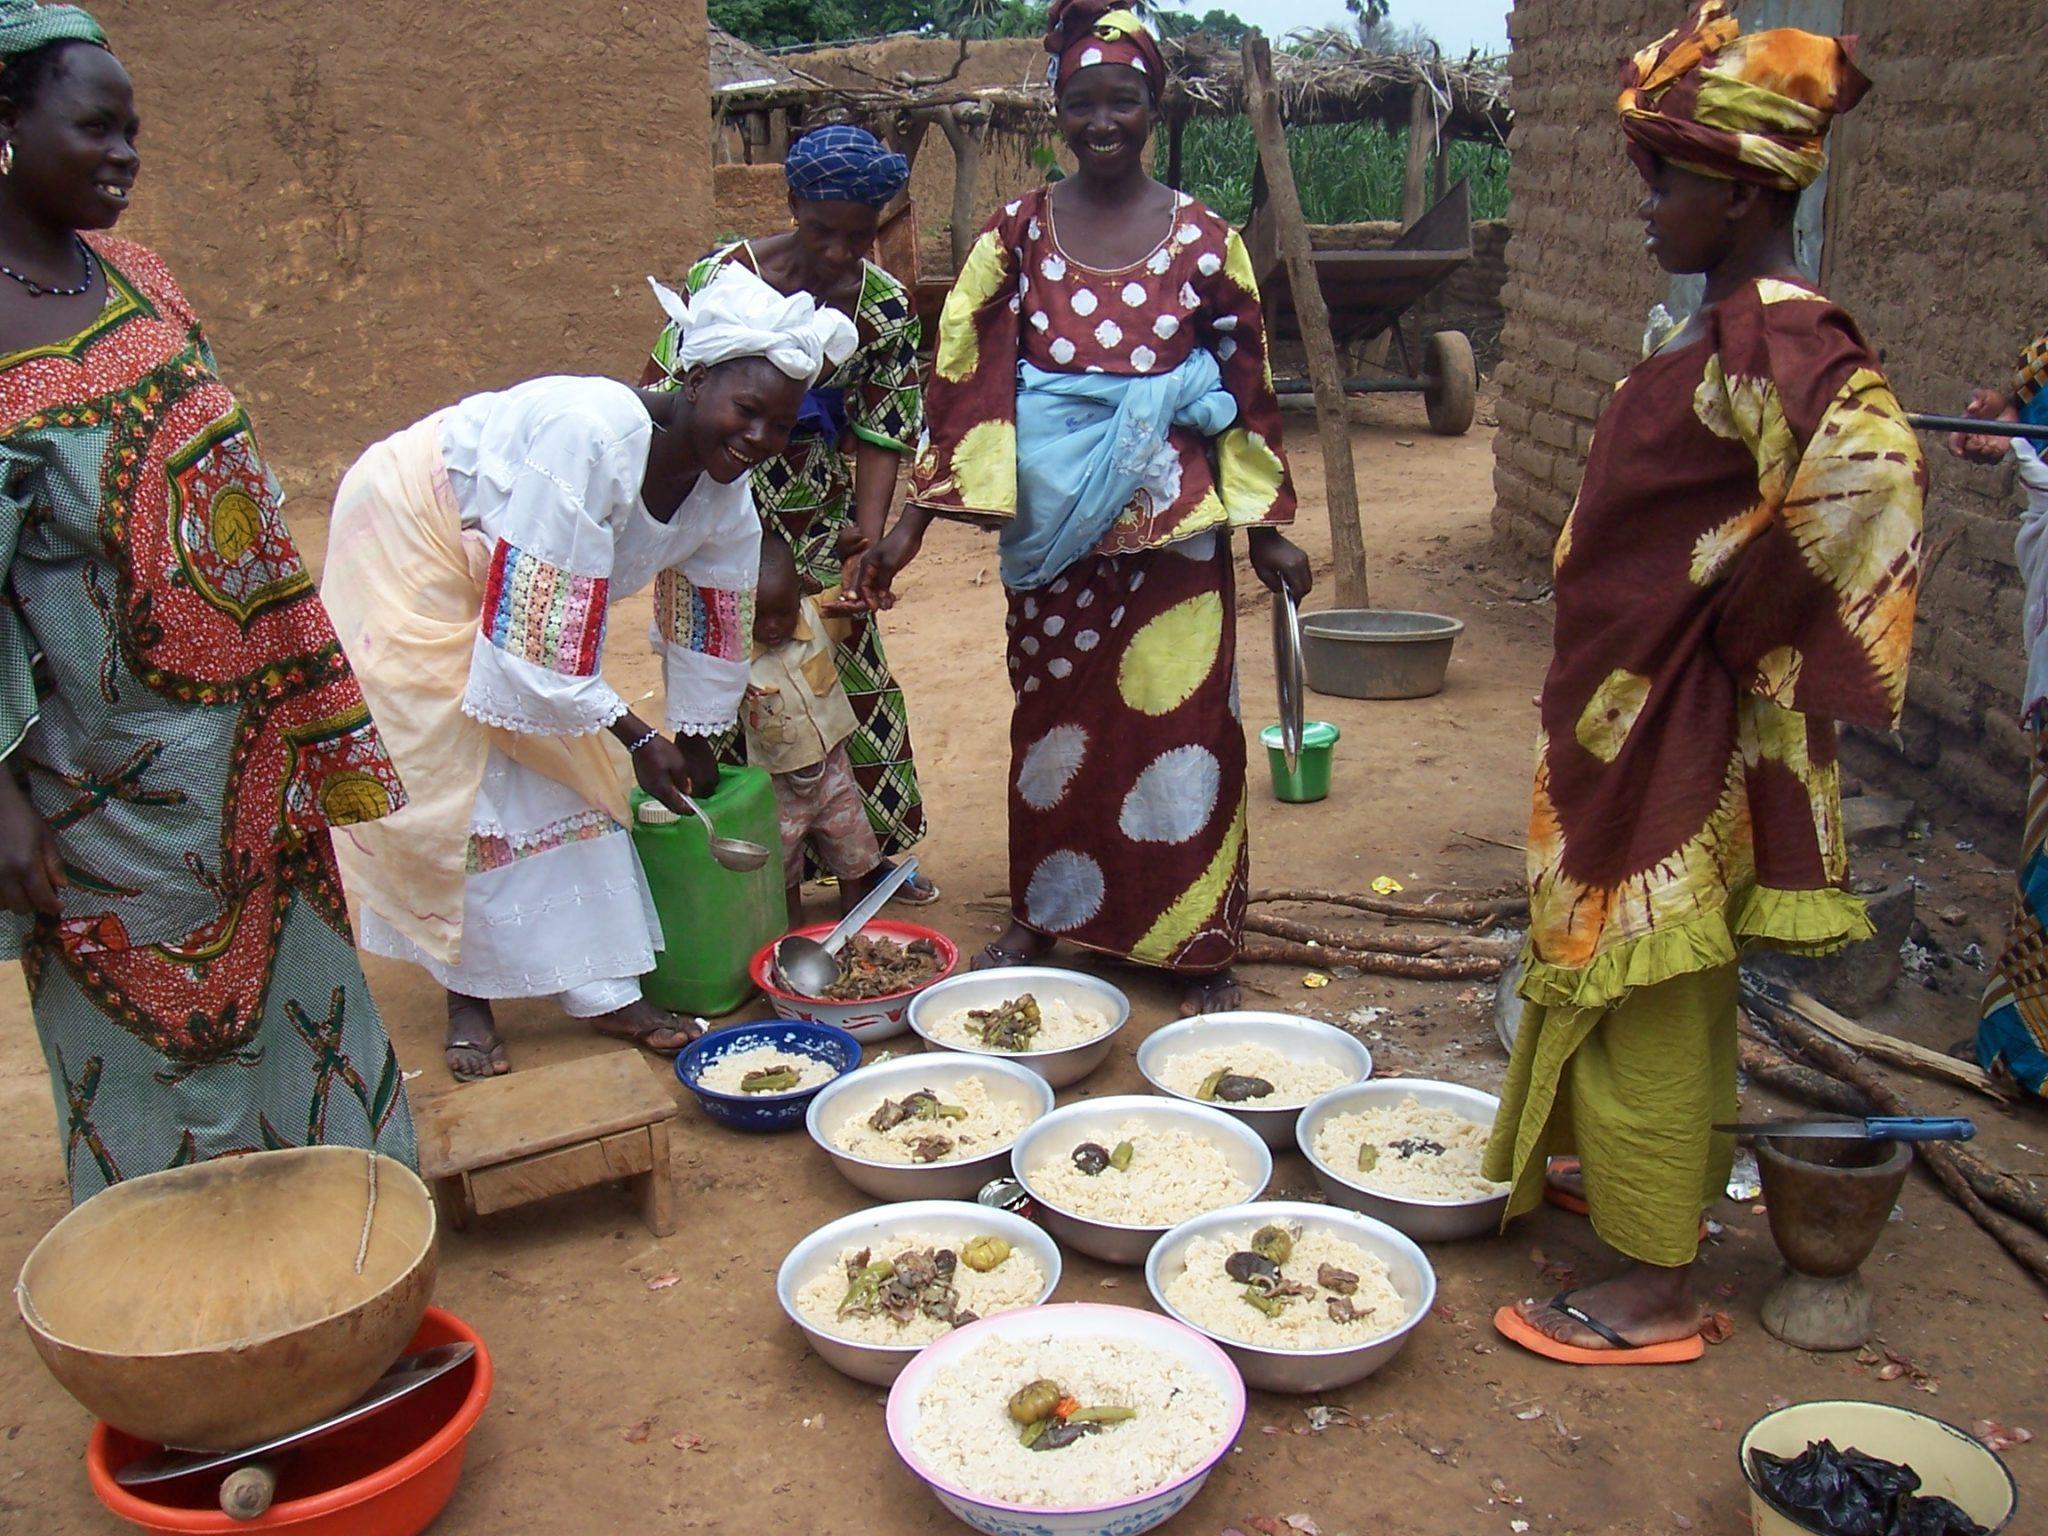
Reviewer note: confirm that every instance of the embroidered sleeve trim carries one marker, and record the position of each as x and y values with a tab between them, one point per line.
544	614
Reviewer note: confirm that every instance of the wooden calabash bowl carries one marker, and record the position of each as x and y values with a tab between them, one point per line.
216	1306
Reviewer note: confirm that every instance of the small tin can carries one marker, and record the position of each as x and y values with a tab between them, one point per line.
1006	1195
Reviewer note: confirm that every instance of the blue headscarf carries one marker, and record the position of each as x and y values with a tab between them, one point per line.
843	164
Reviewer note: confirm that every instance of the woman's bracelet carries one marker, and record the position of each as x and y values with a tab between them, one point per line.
633	748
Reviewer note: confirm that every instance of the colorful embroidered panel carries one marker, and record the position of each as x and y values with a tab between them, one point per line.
543	614
709	620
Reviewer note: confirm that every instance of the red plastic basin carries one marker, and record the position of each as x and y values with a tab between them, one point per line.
389	1475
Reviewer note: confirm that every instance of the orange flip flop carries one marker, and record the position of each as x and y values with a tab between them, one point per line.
1565	1200
1512	1326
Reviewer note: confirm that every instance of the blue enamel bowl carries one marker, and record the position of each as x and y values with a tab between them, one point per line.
765	1111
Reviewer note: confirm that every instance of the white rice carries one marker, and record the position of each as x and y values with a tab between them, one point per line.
1174	1174
1452	1174
1016	1282
1207	1297
724	1074
1294	1082
991	1125
1060	1025
966	1437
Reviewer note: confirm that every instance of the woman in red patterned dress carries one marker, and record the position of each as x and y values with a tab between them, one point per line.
1100	392
179	723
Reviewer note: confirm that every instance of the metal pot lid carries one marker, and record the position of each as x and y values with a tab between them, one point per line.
1289	672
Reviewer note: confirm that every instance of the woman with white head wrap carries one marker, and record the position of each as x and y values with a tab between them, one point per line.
472	562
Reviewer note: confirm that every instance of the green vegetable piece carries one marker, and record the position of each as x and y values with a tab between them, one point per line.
1028	1436
1207	1092
1273	1243
1272	1306
1120	1156
1035	1401
1368	1157
982	1254
770	1080
951	1112
1107	1415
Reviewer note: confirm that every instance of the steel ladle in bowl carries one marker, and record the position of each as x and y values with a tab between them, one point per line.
811	969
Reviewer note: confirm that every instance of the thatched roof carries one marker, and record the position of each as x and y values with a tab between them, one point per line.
1332	79
735	62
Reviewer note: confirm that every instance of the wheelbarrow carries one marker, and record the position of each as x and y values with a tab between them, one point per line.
1368	292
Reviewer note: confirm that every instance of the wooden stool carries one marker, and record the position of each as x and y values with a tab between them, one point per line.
491	1145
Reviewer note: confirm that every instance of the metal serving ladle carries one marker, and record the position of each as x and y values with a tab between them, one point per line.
809	968
734	853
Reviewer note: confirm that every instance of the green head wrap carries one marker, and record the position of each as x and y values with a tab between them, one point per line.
26	26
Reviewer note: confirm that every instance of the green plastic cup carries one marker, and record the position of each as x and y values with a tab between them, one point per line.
1310	779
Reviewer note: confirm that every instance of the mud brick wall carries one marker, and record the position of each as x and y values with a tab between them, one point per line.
380	207
1937	241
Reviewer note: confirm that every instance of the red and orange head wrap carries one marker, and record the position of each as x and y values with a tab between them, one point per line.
1756	108
1083	33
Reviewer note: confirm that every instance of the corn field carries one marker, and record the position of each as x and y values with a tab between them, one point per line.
1347	172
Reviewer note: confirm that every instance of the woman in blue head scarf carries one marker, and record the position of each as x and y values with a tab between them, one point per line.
830	493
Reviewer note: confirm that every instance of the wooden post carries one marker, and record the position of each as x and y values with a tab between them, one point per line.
1421	135
965	134
1283	202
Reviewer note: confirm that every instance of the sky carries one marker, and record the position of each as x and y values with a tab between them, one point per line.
1457	24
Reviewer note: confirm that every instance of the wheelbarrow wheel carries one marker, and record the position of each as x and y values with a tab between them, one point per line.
1452	388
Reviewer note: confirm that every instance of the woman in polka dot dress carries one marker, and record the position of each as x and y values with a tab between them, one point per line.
1100	392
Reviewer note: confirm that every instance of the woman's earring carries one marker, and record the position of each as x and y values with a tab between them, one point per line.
7	158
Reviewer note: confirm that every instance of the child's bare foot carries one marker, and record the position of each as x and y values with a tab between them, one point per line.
1018	946
649	1027
1643	1304
1219	993
472	1047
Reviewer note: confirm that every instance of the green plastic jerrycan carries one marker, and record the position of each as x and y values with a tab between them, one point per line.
713	920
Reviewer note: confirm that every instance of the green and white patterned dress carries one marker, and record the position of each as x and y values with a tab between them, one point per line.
176	705
806	494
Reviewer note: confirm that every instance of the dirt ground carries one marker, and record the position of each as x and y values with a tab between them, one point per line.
1461	1435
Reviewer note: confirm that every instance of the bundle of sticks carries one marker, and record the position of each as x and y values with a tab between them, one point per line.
1800	1048
1383	949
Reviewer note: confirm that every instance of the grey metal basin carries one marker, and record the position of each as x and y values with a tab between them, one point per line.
1378	653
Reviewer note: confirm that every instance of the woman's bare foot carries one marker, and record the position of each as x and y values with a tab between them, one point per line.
472	1046
650	1028
1644	1304
1218	993
1018	946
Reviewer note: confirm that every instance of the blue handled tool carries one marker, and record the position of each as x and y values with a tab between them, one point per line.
1871	1128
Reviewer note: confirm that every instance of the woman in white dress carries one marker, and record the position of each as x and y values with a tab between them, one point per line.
472	561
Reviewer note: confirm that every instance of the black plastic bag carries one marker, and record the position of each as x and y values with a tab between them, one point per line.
1847	1493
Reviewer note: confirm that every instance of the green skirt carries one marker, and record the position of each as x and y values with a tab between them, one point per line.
1633	1089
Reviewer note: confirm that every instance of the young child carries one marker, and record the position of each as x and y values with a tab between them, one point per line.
1737	575
797	719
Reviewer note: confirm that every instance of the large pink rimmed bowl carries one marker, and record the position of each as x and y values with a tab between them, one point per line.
872	1018
1075	1320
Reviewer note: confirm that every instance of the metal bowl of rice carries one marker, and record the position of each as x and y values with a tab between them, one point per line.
948	1421
815	1268
1387	1264
1472	1211
1185	1159
1083	1014
1301	1058
840	1114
